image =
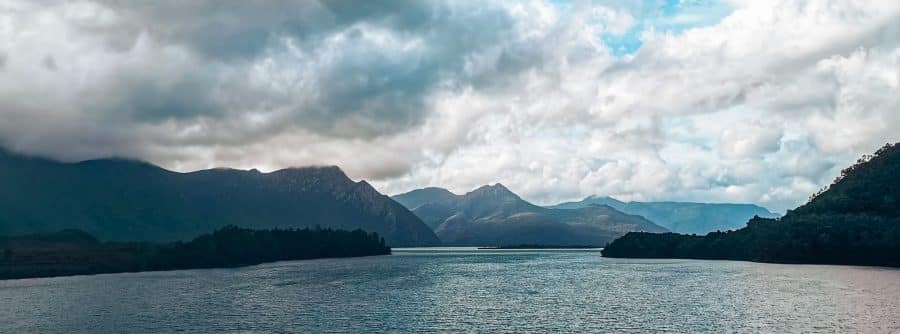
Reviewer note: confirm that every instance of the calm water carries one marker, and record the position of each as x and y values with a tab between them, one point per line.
457	290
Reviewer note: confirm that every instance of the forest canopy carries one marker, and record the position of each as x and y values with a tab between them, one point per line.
856	220
73	252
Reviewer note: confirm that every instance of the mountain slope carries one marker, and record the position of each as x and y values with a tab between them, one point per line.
682	217
418	197
495	216
855	221
115	199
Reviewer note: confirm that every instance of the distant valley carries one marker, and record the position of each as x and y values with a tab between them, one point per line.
682	217
495	216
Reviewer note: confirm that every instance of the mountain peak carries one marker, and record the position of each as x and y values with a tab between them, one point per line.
495	198
599	197
495	188
163	206
499	185
418	197
331	172
602	200
433	190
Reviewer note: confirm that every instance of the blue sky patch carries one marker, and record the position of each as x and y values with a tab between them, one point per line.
671	16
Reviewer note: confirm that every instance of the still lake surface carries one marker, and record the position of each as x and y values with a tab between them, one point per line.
464	290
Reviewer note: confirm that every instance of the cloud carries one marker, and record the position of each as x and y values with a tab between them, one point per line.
749	140
332	68
707	101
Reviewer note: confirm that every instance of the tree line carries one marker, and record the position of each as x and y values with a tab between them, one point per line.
855	221
73	252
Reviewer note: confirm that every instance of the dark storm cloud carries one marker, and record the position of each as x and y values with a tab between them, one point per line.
148	100
457	93
343	68
168	80
244	29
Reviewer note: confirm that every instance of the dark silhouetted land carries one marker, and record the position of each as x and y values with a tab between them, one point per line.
125	200
73	252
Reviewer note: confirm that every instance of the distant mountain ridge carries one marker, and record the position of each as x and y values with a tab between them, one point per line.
492	215
128	200
682	217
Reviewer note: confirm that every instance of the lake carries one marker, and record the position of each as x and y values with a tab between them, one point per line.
464	290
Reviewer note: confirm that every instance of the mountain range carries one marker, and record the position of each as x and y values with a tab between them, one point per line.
127	200
495	216
682	217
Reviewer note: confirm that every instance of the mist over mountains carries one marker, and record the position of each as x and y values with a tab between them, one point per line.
495	216
125	200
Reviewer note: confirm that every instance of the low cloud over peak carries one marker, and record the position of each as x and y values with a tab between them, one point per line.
709	101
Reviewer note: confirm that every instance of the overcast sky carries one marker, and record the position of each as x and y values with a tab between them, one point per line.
735	101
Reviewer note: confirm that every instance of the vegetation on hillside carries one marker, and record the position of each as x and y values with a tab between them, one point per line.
681	217
124	200
73	252
855	221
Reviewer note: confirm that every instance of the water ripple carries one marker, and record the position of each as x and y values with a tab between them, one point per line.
453	290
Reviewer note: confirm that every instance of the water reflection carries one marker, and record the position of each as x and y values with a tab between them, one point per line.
464	290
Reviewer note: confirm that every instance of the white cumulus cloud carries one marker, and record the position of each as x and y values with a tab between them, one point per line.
756	101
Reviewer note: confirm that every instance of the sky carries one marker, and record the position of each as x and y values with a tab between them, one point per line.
752	101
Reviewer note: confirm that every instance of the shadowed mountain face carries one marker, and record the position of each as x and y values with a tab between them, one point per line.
495	216
682	217
125	200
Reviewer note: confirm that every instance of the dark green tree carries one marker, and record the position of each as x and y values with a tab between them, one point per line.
855	221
